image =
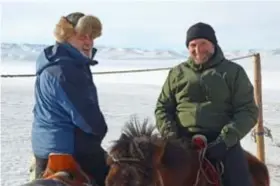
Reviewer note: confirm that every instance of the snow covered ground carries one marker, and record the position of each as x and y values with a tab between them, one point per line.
120	95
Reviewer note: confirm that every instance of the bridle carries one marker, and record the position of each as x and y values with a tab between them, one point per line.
138	162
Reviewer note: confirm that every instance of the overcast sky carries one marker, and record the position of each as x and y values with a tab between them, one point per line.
149	24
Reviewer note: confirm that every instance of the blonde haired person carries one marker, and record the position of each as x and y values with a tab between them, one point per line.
67	116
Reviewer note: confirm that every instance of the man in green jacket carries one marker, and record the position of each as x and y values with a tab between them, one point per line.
211	96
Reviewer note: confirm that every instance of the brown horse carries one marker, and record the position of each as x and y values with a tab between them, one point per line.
142	158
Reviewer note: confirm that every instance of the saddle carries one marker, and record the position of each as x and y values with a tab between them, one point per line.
64	168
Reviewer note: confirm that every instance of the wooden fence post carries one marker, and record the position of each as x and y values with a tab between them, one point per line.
258	99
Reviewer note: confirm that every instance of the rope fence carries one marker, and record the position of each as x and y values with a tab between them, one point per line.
120	71
259	128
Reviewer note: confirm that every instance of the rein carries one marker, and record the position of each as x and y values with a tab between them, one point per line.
138	162
209	171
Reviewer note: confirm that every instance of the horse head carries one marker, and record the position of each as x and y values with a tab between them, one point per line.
131	158
141	157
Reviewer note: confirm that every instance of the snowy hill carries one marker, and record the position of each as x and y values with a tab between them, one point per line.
29	52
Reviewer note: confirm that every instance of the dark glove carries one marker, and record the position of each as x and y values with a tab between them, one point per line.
169	132
171	135
216	150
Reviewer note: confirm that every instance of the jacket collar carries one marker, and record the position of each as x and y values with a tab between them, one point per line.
76	54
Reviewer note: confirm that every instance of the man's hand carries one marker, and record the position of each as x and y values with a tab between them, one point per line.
217	149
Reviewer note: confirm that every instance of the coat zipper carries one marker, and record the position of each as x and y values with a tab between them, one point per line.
198	106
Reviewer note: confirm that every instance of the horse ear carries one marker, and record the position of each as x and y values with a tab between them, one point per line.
109	160
123	137
159	153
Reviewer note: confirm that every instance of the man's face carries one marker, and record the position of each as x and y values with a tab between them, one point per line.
201	50
84	44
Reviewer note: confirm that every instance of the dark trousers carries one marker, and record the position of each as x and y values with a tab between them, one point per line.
40	166
93	164
236	169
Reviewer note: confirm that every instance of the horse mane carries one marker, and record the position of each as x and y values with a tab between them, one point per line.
134	128
137	136
138	141
138	151
133	152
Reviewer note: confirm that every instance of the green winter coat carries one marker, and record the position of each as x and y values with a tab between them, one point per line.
216	96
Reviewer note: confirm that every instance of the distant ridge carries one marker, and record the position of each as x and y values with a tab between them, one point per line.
29	52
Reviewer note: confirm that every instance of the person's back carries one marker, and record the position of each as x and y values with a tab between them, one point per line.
67	117
211	96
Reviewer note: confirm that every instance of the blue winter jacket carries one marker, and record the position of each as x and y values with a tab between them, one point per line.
67	116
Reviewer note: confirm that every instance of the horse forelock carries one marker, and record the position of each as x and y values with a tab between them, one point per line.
138	146
134	150
135	128
136	140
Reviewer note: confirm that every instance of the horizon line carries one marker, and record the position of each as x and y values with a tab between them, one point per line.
139	48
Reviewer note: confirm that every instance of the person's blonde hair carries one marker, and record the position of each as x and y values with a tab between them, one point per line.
87	24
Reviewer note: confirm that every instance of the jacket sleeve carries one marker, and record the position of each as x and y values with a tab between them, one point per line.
165	108
245	110
79	99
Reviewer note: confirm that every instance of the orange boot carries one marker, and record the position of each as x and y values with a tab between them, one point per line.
63	167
